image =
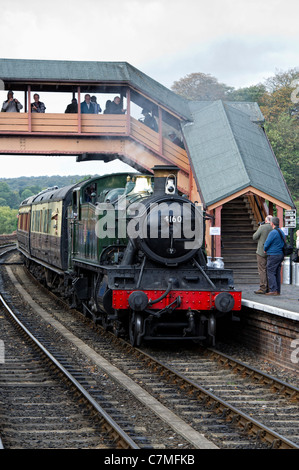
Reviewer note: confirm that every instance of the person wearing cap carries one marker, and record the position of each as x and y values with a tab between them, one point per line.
11	105
274	248
260	236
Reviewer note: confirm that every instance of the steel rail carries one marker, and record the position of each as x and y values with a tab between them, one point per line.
122	440
231	413
12	245
8	249
290	391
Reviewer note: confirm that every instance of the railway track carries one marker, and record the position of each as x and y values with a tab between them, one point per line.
31	381
5	249
203	395
138	421
257	403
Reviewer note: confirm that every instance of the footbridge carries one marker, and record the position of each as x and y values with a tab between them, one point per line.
94	136
221	148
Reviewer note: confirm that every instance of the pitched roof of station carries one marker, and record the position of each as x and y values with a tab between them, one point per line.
230	151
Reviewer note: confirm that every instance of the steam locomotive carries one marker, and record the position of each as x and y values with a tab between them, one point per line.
130	252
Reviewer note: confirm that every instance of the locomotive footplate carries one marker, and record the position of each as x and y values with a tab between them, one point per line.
194	300
161	289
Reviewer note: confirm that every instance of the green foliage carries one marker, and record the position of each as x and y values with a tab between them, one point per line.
27	193
284	137
15	190
252	93
277	98
8	197
282	125
8	220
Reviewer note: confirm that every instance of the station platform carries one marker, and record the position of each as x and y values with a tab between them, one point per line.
285	305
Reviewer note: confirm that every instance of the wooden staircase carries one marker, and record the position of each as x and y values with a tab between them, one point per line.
238	248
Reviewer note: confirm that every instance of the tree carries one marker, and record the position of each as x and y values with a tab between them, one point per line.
201	87
8	220
11	198
34	189
283	134
282	124
26	193
253	93
4	190
278	96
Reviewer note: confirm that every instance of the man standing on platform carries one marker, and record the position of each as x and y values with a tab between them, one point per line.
260	236
274	249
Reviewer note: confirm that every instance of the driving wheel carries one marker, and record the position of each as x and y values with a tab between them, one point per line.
135	328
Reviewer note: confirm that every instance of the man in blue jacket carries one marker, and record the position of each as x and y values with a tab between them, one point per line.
274	248
87	106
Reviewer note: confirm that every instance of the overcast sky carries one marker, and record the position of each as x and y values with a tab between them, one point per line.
240	42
